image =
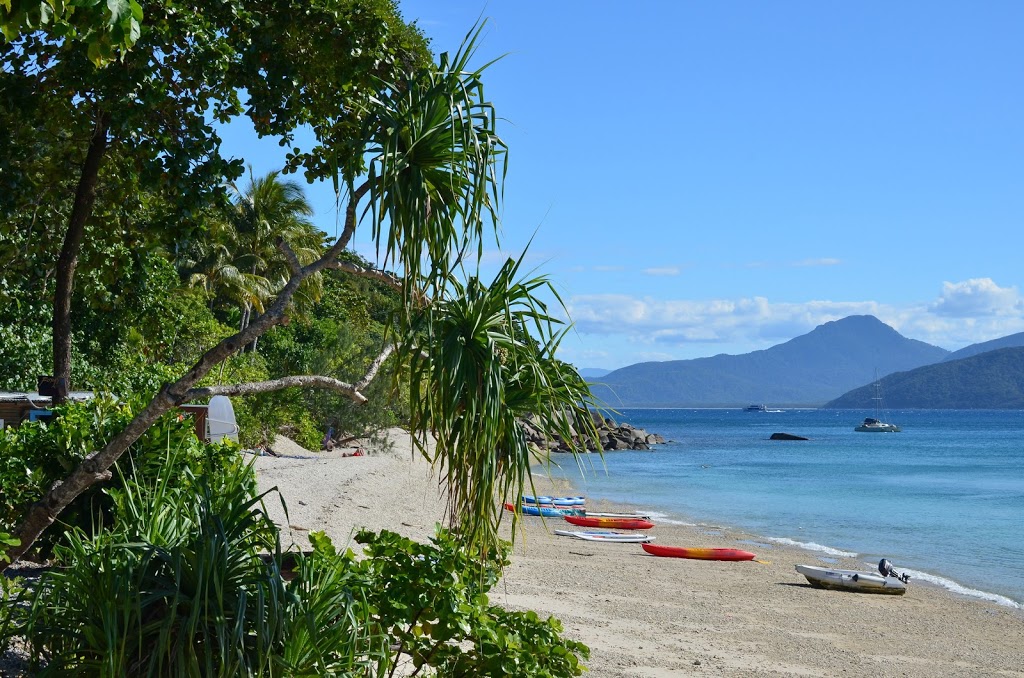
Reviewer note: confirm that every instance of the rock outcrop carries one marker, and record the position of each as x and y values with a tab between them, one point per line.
786	436
611	436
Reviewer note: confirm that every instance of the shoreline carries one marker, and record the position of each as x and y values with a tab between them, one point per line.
648	616
830	555
943	509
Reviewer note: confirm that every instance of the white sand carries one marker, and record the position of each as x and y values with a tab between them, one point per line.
647	616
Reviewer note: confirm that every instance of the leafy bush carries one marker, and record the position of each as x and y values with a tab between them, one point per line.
432	600
186	576
36	455
181	586
189	582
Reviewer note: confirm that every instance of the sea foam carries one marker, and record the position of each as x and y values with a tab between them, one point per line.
951	585
811	546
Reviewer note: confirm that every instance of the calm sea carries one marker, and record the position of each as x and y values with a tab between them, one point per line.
943	499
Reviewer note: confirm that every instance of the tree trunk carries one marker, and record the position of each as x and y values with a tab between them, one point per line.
85	198
95	467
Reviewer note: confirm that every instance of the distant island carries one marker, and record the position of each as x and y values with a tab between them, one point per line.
834	365
993	380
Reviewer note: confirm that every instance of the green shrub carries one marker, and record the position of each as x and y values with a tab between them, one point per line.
186	579
36	455
431	599
180	586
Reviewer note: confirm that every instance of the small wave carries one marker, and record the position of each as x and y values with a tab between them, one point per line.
663	518
951	585
811	546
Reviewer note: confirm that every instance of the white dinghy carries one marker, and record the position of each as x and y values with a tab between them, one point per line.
886	580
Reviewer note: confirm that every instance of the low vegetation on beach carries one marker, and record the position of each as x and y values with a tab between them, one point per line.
138	265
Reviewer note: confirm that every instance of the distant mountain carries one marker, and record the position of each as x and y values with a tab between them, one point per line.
806	371
1010	341
993	380
592	372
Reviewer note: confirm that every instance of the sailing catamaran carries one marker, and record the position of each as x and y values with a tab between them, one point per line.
875	424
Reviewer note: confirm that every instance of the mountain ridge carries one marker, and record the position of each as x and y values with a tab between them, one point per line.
991	380
808	370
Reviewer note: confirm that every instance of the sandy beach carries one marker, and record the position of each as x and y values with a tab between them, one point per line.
648	616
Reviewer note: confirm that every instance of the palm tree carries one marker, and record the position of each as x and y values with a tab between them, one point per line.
268	210
210	263
436	170
239	263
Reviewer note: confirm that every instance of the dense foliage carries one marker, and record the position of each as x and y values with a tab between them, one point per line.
144	317
36	455
189	579
137	257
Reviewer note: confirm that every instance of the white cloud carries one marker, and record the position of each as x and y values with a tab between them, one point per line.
662	271
708	321
824	261
977	297
967	312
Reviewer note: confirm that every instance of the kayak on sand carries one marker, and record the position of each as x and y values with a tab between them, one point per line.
614	523
546	511
554	501
697	553
634	516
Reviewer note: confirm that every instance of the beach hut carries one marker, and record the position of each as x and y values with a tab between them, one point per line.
17	407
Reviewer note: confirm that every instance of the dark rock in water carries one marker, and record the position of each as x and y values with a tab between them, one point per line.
786	436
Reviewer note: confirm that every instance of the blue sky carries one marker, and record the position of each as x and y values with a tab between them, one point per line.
703	178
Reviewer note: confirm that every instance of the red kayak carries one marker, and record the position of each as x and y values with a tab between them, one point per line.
616	523
697	553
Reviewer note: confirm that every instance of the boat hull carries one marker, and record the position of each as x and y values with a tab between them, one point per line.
852	580
878	428
619	523
697	553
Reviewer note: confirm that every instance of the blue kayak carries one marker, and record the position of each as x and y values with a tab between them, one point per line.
547	511
554	501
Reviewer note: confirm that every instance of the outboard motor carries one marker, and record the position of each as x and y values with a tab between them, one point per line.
885	567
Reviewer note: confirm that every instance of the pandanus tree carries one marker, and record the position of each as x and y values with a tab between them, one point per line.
482	358
425	174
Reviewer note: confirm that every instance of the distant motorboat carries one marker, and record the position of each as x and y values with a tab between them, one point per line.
755	408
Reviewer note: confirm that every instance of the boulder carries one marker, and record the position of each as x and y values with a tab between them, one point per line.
786	436
610	436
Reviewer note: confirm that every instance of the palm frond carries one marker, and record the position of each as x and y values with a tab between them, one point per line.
481	359
435	171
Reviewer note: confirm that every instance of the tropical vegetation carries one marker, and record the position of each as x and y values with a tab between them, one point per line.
187	577
134	263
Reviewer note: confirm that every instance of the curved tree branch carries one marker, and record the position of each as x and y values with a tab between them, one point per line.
96	466
389	279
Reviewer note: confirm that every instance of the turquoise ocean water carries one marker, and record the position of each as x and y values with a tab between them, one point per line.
943	499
